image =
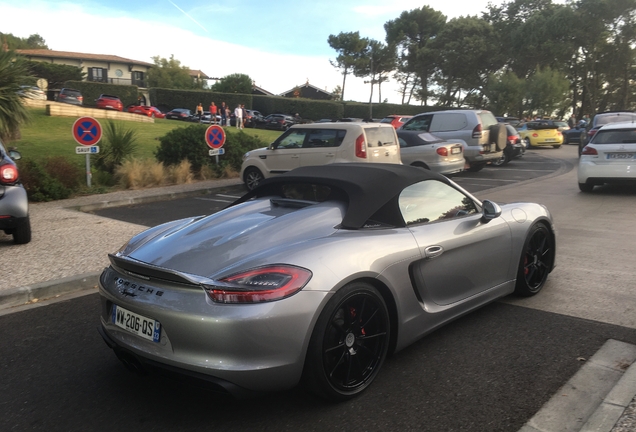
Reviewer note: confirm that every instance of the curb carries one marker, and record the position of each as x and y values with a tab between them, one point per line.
46	290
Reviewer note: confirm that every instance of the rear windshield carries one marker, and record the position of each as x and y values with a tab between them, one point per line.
616	118
615	136
380	136
386	120
71	92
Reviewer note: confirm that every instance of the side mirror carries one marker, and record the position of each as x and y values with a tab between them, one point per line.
490	210
15	155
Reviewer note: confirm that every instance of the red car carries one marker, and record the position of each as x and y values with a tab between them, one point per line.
149	111
109	102
396	120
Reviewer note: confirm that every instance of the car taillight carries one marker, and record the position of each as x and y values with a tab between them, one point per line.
80	98
592	132
535	135
589	151
442	151
258	285
361	147
8	174
477	131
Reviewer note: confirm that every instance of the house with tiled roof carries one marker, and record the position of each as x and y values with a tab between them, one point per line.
105	68
308	91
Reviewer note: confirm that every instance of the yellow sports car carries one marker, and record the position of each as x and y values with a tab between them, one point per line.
540	134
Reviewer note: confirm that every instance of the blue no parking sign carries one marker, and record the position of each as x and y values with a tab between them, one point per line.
215	136
87	131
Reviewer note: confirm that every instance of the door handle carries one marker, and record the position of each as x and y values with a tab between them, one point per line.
433	251
295	156
329	155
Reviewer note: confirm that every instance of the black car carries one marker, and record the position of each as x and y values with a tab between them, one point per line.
179	114
573	135
70	96
279	121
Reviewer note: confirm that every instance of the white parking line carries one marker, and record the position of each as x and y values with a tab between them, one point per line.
482	179
212	199
228	196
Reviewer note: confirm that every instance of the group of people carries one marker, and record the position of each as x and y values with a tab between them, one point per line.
225	113
583	122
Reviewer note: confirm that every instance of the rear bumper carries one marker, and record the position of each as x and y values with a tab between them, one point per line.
595	171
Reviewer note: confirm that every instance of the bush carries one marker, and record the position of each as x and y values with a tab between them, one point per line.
69	174
184	143
119	144
39	184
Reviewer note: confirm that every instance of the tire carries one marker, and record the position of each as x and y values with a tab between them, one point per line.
556	146
476	167
498	136
252	177
566	139
22	233
349	343
536	261
586	187
503	160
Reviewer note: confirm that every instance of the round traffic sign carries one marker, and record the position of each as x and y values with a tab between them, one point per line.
87	131
215	136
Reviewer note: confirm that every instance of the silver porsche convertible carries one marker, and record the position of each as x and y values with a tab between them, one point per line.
315	276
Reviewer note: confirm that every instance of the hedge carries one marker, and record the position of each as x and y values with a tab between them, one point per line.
168	99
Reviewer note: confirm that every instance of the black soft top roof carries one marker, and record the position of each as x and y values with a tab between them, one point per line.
371	189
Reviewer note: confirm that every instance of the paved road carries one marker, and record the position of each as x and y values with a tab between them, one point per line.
491	370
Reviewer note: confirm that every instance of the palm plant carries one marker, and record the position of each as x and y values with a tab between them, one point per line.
120	144
13	73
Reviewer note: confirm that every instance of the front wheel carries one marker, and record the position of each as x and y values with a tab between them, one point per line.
252	178
22	233
536	261
349	343
586	187
528	143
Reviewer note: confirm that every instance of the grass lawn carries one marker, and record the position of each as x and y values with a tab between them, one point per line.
47	136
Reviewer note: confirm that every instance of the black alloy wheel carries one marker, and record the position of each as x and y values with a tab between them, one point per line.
536	261
252	177
349	343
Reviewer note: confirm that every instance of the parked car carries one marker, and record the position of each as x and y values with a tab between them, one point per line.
601	119
485	138
425	150
321	144
319	274
32	92
540	133
254	119
573	135
513	121
515	147
70	96
609	157
179	114
146	110
109	102
396	120
14	204
279	121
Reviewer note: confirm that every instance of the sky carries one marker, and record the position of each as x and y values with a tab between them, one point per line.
279	44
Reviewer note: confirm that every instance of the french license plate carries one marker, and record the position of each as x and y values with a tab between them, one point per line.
620	155
138	324
550	140
487	148
456	150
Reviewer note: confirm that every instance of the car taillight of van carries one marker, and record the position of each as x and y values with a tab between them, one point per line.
477	132
361	147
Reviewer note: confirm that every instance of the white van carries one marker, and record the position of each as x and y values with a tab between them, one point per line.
321	144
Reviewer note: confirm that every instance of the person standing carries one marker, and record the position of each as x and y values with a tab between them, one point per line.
223	114
572	121
200	111
238	114
244	116
213	111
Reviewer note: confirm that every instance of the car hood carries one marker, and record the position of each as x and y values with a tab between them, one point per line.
239	235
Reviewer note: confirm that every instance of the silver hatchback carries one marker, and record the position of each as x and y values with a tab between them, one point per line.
14	205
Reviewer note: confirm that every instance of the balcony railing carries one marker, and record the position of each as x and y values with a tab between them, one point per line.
121	81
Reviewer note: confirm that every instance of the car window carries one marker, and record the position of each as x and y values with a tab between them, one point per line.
324	138
386	120
420	123
380	136
615	136
487	119
445	122
613	118
432	200
294	138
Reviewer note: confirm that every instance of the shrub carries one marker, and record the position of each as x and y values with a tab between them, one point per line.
119	144
182	173
69	174
39	184
184	144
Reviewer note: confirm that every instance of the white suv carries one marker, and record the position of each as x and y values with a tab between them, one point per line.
485	138
321	144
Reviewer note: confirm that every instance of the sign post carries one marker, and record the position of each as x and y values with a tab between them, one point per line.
215	138
87	131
